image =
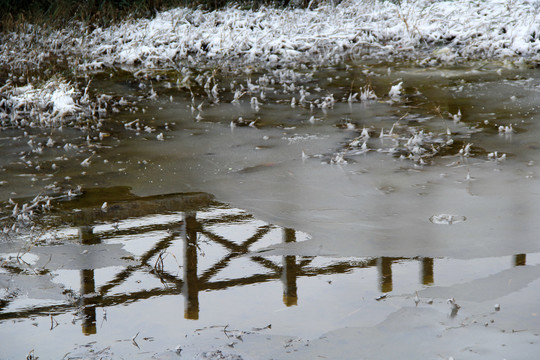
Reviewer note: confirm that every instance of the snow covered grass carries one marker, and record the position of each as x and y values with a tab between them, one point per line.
421	29
51	104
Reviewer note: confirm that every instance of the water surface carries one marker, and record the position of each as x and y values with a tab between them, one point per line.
220	232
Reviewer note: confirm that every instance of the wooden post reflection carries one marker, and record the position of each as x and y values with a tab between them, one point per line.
88	285
290	270
427	271
520	260
191	281
384	264
87	236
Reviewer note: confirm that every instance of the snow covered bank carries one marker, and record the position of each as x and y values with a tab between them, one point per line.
420	29
416	29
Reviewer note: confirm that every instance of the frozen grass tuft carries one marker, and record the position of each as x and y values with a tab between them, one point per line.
52	104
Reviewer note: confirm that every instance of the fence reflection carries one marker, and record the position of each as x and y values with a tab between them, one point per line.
194	221
191	280
88	286
520	260
427	277
290	296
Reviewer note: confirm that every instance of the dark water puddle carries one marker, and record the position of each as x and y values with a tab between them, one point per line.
189	220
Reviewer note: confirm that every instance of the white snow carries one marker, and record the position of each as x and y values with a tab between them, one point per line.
45	105
425	30
395	91
62	101
443	30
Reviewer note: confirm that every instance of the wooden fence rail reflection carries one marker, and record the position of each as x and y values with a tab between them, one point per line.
190	230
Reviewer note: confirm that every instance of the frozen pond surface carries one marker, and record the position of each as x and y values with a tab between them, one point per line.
296	232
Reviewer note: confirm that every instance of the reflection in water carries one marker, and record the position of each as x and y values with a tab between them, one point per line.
191	282
427	271
520	259
88	286
196	223
290	297
384	265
